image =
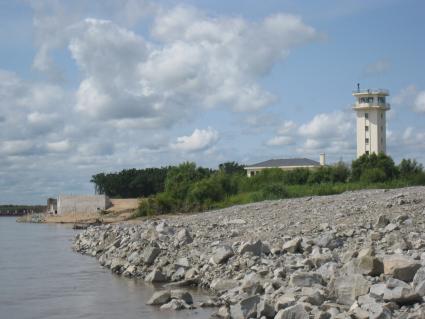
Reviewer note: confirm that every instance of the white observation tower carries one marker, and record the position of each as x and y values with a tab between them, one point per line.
370	108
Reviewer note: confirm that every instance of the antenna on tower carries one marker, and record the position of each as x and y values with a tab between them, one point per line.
358	87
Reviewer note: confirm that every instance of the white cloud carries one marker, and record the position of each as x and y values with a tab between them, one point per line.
328	125
288	127
419	105
199	140
280	140
59	147
199	61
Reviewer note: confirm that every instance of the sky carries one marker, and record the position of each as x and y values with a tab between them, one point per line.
100	86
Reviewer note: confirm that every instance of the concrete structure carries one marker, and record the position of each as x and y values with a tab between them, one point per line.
52	205
82	203
285	164
370	107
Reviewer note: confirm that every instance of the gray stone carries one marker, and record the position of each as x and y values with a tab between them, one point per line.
284	301
222	254
419	276
382	221
220	284
135	258
370	265
254	248
420	288
149	254
313	296
184	237
292	246
348	288
246	308
159	298
297	311
176	304
401	267
182	262
156	276
265	308
305	279
183	295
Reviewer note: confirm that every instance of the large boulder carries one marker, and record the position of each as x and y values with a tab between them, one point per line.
348	288
292	246
156	276
246	308
222	254
401	267
254	248
183	237
370	265
149	254
182	295
297	311
220	284
159	298
305	279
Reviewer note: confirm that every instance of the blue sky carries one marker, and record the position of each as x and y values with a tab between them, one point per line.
99	86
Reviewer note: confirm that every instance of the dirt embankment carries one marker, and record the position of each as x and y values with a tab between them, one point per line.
121	210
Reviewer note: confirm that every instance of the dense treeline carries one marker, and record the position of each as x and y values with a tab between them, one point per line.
132	183
191	188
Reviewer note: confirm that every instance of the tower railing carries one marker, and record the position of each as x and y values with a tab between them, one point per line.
372	91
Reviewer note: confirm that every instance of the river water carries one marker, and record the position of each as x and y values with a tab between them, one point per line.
41	277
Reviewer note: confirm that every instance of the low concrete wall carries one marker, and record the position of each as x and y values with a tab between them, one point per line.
82	203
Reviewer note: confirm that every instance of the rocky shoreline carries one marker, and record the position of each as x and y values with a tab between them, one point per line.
354	255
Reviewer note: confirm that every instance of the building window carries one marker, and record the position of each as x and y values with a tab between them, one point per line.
367	141
382	140
382	115
252	173
382	128
366	115
366	128
367	152
381	99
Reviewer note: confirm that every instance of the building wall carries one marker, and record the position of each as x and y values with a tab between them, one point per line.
82	203
376	134
256	170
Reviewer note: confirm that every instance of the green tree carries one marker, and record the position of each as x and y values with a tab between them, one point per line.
368	161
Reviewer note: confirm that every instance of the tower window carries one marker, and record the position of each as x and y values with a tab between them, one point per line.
382	128
366	115
381	99
367	141
382	115
366	128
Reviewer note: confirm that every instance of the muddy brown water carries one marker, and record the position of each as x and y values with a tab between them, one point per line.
41	277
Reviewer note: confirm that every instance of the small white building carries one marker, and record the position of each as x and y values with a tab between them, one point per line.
370	108
82	203
285	164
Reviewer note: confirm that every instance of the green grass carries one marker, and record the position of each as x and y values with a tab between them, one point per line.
295	191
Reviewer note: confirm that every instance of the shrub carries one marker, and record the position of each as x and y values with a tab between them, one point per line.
373	175
274	191
370	161
409	168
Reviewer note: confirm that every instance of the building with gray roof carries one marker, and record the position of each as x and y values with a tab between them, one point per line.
285	164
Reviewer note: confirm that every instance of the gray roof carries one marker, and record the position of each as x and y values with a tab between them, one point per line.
286	162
